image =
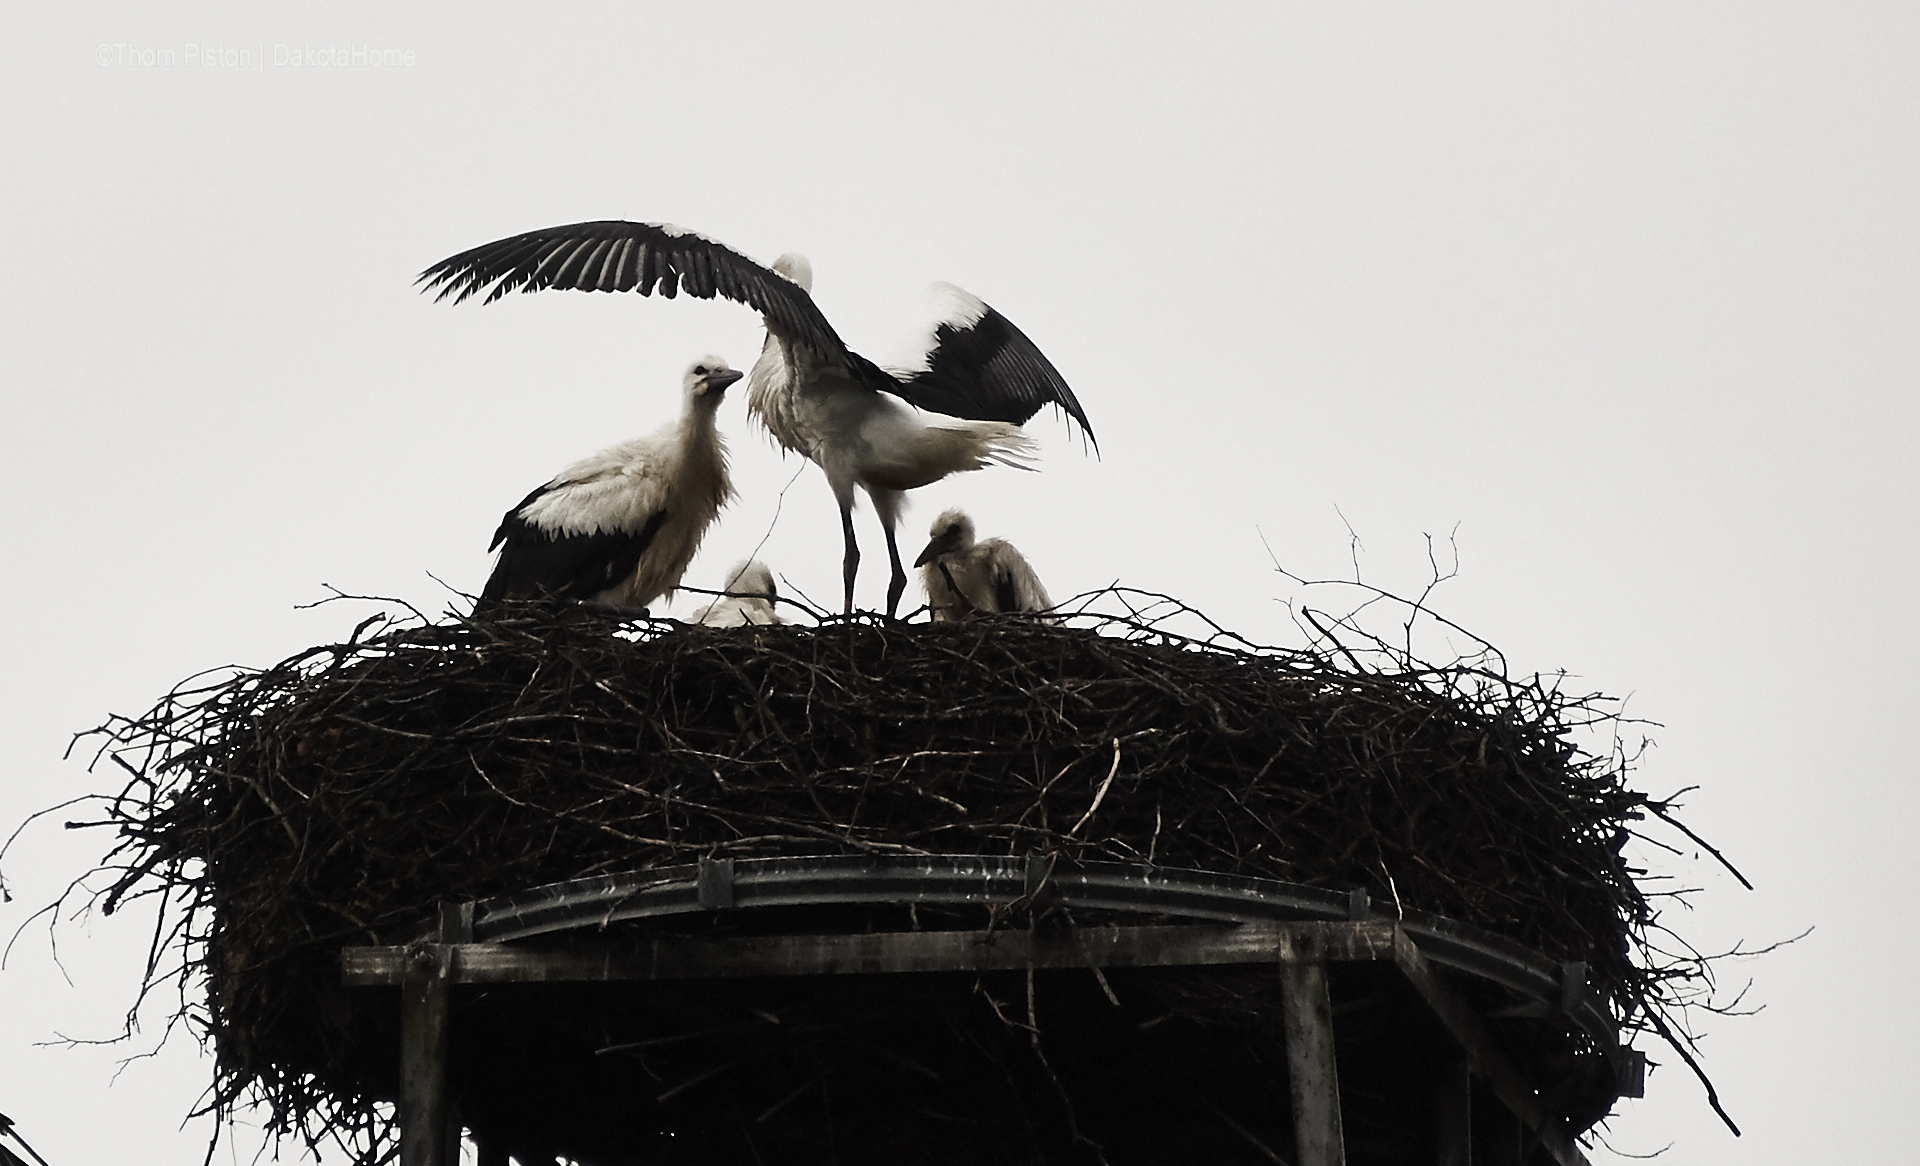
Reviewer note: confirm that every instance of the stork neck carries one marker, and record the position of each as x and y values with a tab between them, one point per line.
699	419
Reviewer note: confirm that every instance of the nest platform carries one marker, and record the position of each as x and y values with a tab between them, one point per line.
1007	891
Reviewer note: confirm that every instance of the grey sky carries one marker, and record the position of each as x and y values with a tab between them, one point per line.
1626	293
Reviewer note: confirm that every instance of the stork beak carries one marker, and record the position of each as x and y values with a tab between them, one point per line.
929	555
717	382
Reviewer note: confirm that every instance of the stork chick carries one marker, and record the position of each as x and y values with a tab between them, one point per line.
620	527
965	578
750	599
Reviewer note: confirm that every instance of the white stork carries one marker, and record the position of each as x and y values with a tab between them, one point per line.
749	599
620	527
959	407
964	577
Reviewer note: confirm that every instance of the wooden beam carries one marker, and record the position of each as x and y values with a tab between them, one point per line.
670	957
1486	1056
426	1128
1453	1115
1312	1075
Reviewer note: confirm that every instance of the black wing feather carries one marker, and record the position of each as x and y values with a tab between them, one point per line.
614	255
535	562
512	521
989	371
1004	594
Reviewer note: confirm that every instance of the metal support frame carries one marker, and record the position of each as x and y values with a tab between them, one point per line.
953	879
474	943
680	957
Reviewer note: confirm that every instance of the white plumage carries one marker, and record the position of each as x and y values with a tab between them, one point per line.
821	406
750	599
965	578
955	404
621	526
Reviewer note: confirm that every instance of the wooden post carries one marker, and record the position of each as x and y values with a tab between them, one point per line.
1501	1136
427	1133
1520	1114
424	1125
1453	1115
1308	1013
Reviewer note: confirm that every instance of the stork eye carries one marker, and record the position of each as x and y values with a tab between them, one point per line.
700	370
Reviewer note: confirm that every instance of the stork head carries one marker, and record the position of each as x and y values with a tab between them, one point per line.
795	267
751	578
707	380
952	532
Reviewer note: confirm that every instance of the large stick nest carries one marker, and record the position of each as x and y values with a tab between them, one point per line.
334	798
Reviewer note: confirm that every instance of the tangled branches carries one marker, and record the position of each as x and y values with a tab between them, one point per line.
330	799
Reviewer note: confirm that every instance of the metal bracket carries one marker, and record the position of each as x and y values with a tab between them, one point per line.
1573	985
1633	1073
1039	867
455	923
713	885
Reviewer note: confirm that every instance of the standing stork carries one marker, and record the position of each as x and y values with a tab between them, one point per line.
620	527
964	577
958	407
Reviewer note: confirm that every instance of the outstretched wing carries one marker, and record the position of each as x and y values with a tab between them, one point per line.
614	255
972	362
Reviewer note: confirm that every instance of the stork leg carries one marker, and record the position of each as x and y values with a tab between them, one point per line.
897	583
886	507
851	566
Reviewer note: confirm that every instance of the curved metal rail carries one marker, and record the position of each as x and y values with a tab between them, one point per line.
956	879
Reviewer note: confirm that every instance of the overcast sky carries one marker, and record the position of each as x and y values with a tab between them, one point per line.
1625	294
